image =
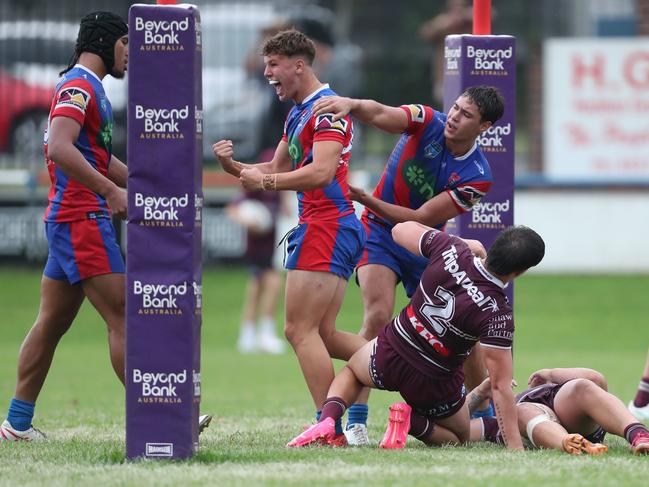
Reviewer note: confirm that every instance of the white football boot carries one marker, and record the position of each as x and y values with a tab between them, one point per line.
204	421
7	433
640	413
247	342
356	435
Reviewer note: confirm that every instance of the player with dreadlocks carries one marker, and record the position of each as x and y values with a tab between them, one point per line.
87	186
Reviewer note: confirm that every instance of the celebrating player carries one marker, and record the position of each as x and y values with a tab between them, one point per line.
435	172
565	409
459	301
87	185
312	159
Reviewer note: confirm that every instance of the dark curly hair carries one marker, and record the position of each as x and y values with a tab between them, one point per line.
290	43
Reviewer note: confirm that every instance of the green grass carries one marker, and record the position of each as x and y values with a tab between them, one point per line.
260	401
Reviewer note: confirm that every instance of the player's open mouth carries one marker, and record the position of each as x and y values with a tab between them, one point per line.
275	84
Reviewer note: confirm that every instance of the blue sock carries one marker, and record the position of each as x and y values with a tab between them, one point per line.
339	424
357	414
487	412
20	414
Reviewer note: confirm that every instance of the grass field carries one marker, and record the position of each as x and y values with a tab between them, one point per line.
260	401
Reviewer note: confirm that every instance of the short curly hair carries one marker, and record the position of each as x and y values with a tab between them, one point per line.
290	43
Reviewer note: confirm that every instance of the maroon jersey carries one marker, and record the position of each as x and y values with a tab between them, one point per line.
458	302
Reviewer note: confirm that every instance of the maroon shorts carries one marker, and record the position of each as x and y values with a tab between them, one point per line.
433	397
545	395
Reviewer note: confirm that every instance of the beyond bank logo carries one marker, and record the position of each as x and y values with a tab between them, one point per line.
489	214
162	211
491	139
159	387
160	123
489	59
161	35
159	299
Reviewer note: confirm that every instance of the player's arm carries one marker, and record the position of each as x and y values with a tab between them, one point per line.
563	375
499	364
438	209
224	150
409	234
384	117
318	174
117	172
63	133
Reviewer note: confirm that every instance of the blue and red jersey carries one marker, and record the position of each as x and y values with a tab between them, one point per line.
80	96
421	167
301	131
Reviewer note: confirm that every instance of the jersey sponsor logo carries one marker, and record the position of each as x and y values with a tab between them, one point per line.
327	123
420	181
73	97
432	339
295	150
432	150
451	266
417	113
499	327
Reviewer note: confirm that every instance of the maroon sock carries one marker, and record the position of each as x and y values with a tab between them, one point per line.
420	427
633	429
491	430
642	396
334	407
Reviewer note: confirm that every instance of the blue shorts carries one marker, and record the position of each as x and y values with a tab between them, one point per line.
327	246
383	250
82	249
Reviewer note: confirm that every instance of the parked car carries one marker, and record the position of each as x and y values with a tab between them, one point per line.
32	53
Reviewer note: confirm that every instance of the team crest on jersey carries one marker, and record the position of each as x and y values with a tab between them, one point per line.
73	97
327	123
432	150
417	113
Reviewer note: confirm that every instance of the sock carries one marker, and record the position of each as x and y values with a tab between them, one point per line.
420	427
333	407
490	430
642	396
357	414
481	413
267	326
20	414
632	430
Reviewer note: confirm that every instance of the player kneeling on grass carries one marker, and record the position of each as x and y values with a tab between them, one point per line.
565	409
460	300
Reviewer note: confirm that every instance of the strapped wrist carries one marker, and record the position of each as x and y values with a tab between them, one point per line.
269	182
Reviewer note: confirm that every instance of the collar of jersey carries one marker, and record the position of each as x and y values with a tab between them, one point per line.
477	261
308	98
81	66
468	153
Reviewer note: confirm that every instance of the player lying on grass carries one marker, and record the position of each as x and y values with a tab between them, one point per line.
565	409
460	300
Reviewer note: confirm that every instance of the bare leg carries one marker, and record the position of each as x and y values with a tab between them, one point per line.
107	294
60	302
452	430
378	285
582	406
309	296
271	284
548	434
250	306
341	345
350	380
